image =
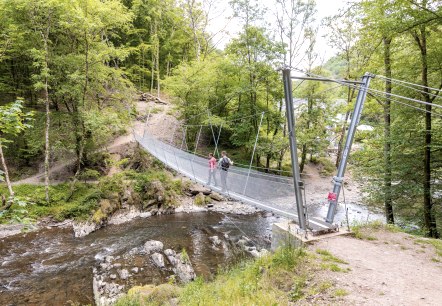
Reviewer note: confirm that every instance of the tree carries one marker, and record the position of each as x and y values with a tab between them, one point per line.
13	120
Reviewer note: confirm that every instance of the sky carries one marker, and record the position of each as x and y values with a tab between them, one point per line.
221	12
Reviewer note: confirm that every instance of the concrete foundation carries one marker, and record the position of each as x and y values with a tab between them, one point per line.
288	233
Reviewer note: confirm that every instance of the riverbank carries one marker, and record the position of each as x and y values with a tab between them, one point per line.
395	268
52	267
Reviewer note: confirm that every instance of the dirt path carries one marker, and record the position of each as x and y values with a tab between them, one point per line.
158	120
388	269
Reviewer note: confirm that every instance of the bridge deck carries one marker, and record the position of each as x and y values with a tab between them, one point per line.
265	191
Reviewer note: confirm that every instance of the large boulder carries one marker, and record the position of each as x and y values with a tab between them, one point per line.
196	189
181	265
158	260
216	196
153	246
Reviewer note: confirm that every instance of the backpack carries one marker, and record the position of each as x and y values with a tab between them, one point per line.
225	163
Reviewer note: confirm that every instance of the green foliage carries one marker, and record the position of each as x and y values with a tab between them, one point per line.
13	120
89	174
340	292
327	166
247	284
184	256
83	202
327	256
199	200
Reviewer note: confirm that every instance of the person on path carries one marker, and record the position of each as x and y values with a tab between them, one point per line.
224	163
212	169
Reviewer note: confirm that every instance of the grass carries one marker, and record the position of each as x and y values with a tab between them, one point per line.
364	231
86	198
436	243
83	202
265	281
330	262
281	278
340	292
327	256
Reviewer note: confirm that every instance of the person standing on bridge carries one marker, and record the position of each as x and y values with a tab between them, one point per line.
224	163
212	169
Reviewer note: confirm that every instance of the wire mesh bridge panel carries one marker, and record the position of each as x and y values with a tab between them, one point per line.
266	191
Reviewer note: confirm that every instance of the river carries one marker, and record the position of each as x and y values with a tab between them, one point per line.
51	267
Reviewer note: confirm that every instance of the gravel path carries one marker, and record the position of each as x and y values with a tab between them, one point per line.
388	269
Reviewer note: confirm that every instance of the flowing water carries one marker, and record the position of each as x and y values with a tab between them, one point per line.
51	267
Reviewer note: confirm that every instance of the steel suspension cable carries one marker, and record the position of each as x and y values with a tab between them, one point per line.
374	90
409	83
405	104
415	89
253	154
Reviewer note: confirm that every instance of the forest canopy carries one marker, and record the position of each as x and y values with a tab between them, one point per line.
79	64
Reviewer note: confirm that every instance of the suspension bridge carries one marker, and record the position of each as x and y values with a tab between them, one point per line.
278	194
266	191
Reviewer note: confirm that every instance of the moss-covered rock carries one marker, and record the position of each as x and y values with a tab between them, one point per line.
107	207
200	199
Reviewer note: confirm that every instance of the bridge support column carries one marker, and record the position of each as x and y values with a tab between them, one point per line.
293	147
339	178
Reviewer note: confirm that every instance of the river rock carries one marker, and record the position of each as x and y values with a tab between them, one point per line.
183	269
84	228
196	189
264	252
181	266
171	256
105	266
105	293
158	260
215	240
123	273
152	246
134	270
126	215
216	196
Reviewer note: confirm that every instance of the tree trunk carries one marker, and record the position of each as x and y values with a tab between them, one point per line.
420	37
48	123
5	168
5	204
303	158
158	69
387	124
152	70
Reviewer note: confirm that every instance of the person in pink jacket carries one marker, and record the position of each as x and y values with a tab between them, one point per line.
212	169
